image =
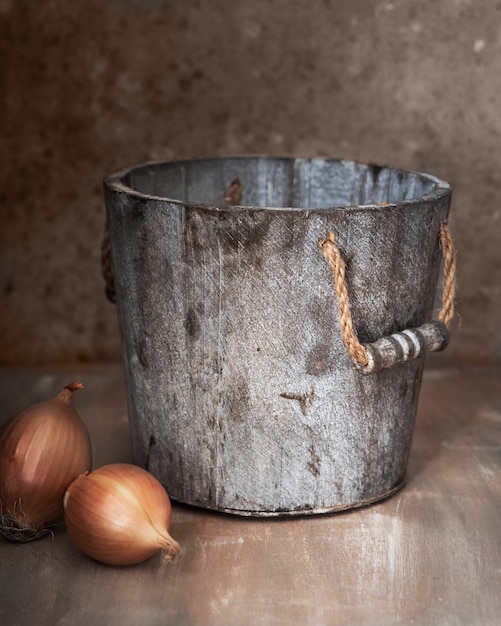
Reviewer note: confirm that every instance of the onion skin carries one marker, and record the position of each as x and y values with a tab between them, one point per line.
119	515
42	450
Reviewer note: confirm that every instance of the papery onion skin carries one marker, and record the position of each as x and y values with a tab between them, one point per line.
42	450
119	514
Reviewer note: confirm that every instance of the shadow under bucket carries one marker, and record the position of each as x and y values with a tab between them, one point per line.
275	313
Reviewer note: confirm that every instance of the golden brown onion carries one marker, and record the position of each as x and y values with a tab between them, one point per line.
42	450
120	515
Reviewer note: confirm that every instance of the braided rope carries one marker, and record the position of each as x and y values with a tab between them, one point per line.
333	256
449	288
106	265
336	262
233	195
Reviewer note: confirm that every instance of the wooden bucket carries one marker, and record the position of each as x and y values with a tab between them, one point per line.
245	388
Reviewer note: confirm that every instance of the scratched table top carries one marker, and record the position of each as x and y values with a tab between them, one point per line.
430	555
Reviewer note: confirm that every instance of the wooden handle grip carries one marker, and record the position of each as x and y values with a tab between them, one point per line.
409	344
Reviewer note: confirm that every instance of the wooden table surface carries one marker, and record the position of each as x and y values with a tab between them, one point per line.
431	555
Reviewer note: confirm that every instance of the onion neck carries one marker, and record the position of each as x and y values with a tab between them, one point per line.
170	548
67	393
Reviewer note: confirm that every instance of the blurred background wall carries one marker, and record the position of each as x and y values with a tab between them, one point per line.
91	86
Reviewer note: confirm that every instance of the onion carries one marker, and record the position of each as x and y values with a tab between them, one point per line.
42	450
119	514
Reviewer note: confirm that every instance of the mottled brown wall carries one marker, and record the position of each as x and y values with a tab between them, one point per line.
89	86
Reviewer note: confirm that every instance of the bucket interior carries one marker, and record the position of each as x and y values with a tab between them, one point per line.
279	182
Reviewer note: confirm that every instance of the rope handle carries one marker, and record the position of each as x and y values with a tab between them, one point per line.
107	267
386	352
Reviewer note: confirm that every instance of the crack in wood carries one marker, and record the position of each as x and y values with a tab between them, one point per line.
305	399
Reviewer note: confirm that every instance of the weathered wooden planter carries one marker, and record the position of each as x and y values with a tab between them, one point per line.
242	394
